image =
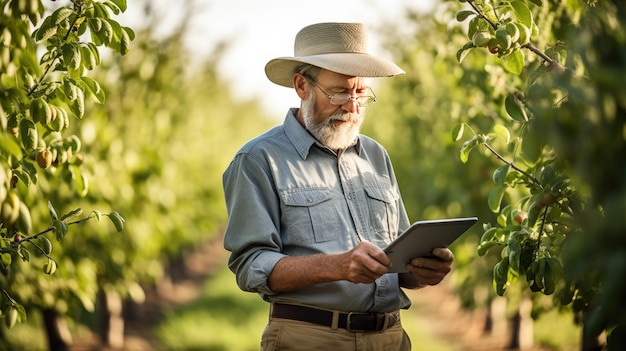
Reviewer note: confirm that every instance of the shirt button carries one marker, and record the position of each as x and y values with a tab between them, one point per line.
309	200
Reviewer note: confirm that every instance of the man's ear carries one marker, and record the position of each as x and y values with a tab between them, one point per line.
301	85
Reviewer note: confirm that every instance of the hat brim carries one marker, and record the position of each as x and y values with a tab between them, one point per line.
281	70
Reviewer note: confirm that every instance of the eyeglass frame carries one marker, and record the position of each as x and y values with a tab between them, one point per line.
370	98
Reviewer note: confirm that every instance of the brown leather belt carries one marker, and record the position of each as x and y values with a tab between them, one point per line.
353	321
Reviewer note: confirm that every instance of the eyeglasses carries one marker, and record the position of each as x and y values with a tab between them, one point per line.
341	98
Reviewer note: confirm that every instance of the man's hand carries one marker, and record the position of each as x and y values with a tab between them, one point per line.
428	270
365	263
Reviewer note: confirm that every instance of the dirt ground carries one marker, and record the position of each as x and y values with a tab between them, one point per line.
446	320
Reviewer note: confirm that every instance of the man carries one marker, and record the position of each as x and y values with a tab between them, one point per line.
312	202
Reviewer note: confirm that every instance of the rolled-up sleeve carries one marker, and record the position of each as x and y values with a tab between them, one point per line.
252	233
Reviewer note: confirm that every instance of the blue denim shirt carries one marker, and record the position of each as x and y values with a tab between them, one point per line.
288	195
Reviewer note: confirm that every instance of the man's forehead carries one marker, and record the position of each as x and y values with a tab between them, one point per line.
339	79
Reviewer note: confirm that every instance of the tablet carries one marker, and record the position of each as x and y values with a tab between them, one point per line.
422	237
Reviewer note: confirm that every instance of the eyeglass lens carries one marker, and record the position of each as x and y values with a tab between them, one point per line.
342	98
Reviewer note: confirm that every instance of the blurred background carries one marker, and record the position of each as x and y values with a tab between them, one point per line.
189	92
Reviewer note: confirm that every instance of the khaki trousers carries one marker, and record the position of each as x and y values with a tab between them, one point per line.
285	335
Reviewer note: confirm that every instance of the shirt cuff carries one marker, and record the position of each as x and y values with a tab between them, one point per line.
260	270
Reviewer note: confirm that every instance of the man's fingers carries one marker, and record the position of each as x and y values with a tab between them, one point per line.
443	254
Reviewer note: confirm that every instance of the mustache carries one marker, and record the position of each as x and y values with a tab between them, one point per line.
345	117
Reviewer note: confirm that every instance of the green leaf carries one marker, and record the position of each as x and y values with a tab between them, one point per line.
61	15
117	220
515	250
60	229
514	62
485	246
463	15
129	32
121	4
514	109
537	2
73	213
503	132
71	56
124	43
464	51
40	112
53	212
45	244
30	170
106	34
24	253
78	107
28	134
522	13
6	259
95	24
495	198
74	143
87	58
477	24
46	31
500	275
114	8
499	175
457	132
98	215
69	88
93	88
94	50
21	312
100	10
467	147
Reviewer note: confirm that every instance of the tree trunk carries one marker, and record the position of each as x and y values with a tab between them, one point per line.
488	326
515	324
111	319
57	332
590	339
521	327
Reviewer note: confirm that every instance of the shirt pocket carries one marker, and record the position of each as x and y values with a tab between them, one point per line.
383	210
309	215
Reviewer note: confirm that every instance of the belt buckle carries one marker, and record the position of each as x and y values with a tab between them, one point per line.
380	322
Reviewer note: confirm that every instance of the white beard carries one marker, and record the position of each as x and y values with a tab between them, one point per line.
330	132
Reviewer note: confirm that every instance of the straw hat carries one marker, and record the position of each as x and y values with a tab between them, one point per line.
337	47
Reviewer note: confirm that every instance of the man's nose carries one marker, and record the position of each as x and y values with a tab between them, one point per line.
351	105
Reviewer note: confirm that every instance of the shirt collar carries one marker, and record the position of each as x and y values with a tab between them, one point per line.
301	139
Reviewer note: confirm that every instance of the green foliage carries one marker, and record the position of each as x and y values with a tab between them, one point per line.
414	119
557	115
43	84
532	91
154	150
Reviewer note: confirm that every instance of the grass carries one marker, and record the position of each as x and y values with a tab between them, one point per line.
223	318
557	331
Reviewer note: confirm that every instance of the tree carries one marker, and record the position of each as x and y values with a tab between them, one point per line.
156	150
537	101
44	86
560	219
